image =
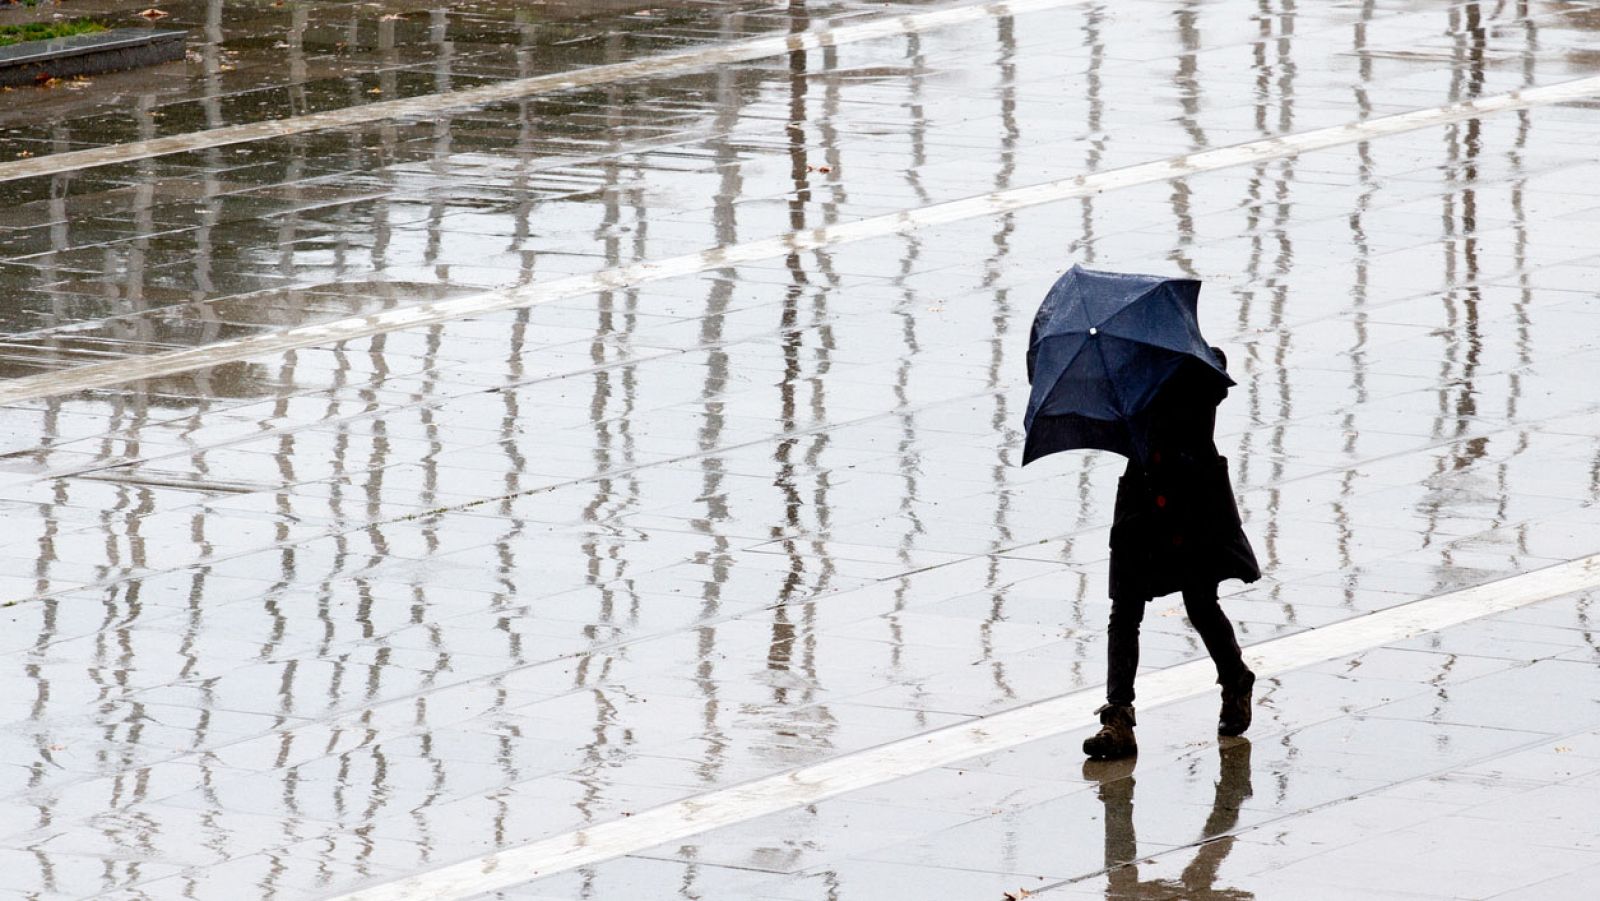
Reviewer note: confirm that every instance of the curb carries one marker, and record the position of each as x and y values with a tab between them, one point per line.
88	54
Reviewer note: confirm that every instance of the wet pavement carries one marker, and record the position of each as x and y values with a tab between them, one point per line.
352	610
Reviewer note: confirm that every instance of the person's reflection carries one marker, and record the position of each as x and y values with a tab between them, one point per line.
1198	880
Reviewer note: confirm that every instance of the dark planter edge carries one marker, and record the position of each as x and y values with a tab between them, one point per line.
89	54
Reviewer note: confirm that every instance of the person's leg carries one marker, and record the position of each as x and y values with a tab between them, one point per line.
1236	679
1115	738
1200	603
1122	649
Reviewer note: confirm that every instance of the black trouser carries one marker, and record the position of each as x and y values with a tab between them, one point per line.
1122	651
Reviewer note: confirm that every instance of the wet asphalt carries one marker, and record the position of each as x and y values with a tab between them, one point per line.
290	623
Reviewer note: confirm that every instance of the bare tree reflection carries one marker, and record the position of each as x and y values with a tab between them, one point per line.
1000	420
792	646
1457	413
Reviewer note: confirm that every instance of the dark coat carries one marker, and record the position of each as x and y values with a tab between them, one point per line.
1176	522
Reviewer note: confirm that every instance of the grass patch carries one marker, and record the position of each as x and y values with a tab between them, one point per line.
44	31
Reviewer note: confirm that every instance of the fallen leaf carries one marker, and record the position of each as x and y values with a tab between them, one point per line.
153	13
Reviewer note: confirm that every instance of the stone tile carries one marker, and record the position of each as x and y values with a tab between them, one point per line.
798	839
1442	860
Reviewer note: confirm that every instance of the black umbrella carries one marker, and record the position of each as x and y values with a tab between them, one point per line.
1103	343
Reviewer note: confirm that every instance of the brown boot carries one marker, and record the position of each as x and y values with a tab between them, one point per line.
1115	738
1236	697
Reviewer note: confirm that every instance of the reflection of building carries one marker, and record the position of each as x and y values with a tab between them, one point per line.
1198	879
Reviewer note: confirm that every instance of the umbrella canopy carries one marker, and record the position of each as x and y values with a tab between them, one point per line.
1103	343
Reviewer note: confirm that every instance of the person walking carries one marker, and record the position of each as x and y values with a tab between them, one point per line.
1175	528
1117	362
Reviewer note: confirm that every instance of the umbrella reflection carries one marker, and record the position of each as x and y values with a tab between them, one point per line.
1198	880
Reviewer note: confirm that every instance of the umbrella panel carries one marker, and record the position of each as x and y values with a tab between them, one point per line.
1106	378
1162	317
1050	434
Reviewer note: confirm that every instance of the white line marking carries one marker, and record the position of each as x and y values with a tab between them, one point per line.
101	375
772	794
679	63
